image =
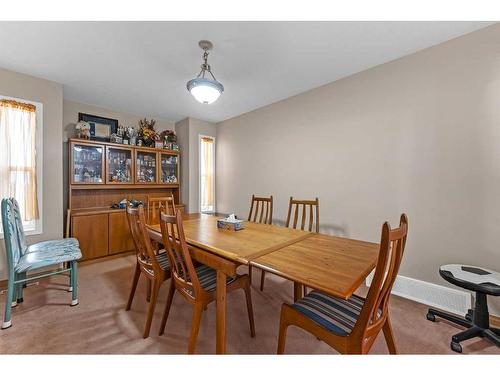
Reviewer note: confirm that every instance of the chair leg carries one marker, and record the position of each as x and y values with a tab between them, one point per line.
20	289
7	319
170	298
389	337
195	327
74	283
283	329
137	273
262	280
151	308
248	296
148	291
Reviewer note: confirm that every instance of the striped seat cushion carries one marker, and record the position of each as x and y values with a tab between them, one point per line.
162	259
336	315
208	278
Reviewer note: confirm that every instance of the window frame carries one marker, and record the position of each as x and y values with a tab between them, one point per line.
200	136
37	227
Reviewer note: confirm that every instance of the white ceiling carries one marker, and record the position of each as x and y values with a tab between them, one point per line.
143	67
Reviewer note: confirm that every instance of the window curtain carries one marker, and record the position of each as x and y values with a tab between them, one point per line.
207	174
18	156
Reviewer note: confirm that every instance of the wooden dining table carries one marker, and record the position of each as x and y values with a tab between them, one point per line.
335	265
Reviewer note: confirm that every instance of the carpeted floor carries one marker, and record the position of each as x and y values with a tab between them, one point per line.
45	323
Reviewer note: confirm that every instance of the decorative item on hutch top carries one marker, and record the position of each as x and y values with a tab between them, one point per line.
132	135
147	132
169	140
82	130
101	128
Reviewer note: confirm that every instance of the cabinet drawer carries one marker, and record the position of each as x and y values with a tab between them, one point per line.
92	233
120	238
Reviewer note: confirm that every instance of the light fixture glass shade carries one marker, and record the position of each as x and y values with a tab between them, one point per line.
205	90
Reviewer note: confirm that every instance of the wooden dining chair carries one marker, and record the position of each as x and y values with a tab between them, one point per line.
261	208
261	212
196	283
309	221
154	266
158	204
351	326
155	206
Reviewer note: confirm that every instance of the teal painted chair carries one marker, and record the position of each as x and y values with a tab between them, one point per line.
22	258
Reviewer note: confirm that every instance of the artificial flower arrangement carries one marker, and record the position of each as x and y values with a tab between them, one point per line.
169	140
147	132
168	136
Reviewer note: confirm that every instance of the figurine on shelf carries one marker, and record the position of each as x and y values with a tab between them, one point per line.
115	138
83	130
132	135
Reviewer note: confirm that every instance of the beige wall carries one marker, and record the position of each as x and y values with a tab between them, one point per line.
419	135
70	118
50	94
182	132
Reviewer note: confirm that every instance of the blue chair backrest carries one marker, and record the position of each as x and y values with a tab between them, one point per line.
15	244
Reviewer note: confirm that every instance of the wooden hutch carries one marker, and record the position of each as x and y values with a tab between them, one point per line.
102	174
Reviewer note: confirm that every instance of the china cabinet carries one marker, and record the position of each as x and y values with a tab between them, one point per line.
103	174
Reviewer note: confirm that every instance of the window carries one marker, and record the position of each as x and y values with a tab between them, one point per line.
207	174
21	158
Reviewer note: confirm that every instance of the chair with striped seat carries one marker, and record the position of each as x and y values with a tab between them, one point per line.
155	266
351	326
196	283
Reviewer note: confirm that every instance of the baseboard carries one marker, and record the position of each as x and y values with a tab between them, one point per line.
438	296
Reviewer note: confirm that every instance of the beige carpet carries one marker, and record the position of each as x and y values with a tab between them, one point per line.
45	323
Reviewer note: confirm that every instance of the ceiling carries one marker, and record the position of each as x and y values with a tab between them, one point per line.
143	67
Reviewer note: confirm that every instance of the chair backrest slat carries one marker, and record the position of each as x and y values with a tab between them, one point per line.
295	205
15	243
158	204
183	270
258	206
145	253
375	309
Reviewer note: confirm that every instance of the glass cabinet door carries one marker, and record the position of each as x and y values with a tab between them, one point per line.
87	163
169	169
145	167
119	166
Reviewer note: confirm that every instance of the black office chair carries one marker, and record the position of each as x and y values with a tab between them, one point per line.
477	320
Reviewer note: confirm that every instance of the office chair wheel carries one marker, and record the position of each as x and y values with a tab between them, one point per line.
456	347
431	317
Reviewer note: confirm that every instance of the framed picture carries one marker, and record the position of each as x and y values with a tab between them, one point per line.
101	128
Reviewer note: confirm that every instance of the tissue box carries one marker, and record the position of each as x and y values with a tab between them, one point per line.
234	226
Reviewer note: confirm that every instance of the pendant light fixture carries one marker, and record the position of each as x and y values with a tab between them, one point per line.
205	88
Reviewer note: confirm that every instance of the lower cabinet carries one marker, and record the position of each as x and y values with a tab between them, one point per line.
92	233
120	238
103	233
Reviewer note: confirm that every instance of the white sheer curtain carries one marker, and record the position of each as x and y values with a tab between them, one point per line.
207	198
18	156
